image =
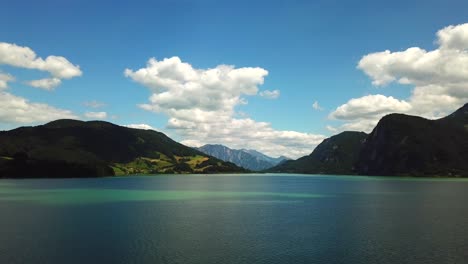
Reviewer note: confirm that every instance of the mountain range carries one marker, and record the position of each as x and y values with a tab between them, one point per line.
249	159
72	148
400	145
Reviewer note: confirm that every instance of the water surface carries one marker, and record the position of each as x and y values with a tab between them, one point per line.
234	219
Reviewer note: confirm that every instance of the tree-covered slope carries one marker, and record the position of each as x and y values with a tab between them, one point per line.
335	155
410	145
71	148
400	145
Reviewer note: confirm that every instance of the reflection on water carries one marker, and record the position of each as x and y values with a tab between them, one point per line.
84	196
234	219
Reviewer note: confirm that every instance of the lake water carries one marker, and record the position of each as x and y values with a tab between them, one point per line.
234	219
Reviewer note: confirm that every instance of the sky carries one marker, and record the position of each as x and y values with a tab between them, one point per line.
274	76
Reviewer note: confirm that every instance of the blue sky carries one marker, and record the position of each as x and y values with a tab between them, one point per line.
311	50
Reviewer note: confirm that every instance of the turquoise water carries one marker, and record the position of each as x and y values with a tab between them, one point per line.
234	219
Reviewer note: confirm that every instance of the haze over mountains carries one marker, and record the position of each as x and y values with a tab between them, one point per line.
399	145
249	159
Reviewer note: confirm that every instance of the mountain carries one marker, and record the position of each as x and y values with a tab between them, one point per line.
71	148
249	159
261	156
410	145
335	155
400	145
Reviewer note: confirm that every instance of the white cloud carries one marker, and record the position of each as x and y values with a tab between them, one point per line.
200	104
439	80
46	84
96	115
249	134
453	37
24	57
94	104
18	110
141	126
416	66
270	94
331	128
361	124
362	114
5	79
370	106
316	106
178	86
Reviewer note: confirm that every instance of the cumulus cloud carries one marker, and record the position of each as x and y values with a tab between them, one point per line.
178	86
453	37
270	94
141	126
439	80
370	106
200	104
362	114
24	57
96	115
5	79
316	106
250	134
46	84
18	110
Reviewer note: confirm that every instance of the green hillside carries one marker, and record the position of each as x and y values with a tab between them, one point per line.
71	148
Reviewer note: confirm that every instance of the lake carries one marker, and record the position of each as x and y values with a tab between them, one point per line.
234	219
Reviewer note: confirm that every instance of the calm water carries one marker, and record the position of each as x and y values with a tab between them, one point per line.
234	219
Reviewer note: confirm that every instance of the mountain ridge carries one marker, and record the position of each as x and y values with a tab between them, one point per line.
399	145
335	155
414	146
249	159
74	148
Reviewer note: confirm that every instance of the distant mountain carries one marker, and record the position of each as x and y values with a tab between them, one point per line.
71	148
261	156
249	159
335	155
399	145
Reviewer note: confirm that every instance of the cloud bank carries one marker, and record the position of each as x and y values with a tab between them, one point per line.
439	81
200	104
18	110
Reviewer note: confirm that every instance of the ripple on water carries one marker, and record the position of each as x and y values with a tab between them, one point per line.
264	220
